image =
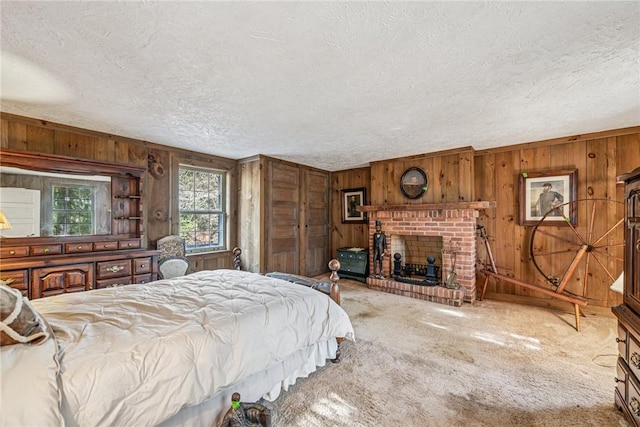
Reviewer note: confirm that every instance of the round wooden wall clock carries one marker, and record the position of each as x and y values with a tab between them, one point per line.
414	183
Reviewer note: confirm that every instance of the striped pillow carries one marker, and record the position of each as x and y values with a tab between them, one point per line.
19	322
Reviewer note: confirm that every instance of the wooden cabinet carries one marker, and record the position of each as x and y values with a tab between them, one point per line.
49	281
41	266
43	276
354	264
627	391
284	217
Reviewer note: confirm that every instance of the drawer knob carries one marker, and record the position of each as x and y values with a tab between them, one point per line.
12	252
46	250
129	244
115	268
638	245
634	359
634	406
618	340
142	265
79	247
106	246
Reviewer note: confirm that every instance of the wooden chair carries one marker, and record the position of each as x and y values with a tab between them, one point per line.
172	261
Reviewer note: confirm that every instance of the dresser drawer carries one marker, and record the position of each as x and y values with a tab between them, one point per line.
634	356
114	269
622	378
142	278
622	340
129	244
20	280
105	246
633	400
14	251
111	283
45	250
75	248
141	265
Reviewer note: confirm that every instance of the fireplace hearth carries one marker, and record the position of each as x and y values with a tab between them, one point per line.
417	274
451	224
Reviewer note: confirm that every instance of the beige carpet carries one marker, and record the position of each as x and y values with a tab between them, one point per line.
417	363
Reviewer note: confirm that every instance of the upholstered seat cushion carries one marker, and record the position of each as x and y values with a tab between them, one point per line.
173	267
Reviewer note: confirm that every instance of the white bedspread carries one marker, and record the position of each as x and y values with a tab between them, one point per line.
136	355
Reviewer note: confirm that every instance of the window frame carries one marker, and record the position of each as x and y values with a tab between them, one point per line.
92	188
223	210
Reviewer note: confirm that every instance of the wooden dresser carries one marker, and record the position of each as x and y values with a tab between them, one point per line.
50	268
46	264
627	391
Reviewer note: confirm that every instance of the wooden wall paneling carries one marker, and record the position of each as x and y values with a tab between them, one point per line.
393	173
466	177
616	212
104	149
339	237
522	266
75	145
354	235
4	134
450	173
378	179
211	262
627	153
303	221
316	221
250	211
16	135
40	140
595	187
159	198
504	249
485	189
436	187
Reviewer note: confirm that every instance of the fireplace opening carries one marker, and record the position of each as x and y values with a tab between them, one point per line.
417	259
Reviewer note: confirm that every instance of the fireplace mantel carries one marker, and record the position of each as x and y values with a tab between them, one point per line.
428	206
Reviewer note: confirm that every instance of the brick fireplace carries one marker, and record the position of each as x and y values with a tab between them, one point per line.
453	223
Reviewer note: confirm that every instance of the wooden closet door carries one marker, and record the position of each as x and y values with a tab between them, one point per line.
282	218
315	237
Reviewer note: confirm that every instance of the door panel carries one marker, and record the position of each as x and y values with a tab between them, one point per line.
316	232
282	218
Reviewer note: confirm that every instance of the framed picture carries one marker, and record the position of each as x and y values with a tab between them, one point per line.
351	200
548	195
413	183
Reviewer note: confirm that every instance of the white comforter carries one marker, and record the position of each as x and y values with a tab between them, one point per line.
136	355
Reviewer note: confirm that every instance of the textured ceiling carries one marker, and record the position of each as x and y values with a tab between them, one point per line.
333	85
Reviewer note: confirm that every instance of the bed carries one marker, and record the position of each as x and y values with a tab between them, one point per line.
169	352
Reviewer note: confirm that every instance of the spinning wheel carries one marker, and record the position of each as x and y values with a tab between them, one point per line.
589	252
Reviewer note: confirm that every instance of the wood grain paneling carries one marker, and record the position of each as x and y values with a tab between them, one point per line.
353	235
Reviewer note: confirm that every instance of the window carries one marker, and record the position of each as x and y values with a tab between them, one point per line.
202	208
73	212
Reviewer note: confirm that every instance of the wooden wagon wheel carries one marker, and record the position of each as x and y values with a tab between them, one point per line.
587	251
